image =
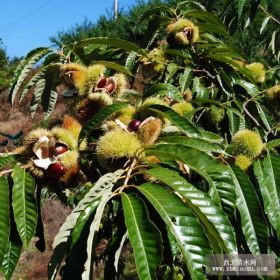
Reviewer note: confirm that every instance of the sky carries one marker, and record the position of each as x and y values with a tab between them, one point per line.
27	24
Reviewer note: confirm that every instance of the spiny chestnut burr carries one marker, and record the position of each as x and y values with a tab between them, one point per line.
55	170
134	125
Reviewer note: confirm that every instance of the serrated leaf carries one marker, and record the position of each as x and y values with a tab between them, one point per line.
51	104
30	63
144	236
6	159
250	88
183	225
199	89
115	66
199	144
268	173
162	90
272	144
182	123
11	257
5	215
185	79
264	24
217	174
24	204
111	42
252	219
60	242
37	94
97	120
215	221
94	228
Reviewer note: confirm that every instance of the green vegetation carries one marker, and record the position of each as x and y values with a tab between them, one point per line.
170	146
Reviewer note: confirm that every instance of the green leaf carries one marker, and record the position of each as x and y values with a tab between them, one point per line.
208	18
99	118
268	173
37	55
252	219
162	90
114	66
110	42
6	159
185	79
214	220
235	122
241	4
130	61
199	144
5	215
94	228
269	145
24	204
217	174
182	123
199	89
211	136
11	257
51	104
264	24
37	94
79	213
183	224
144	236
40	74
250	88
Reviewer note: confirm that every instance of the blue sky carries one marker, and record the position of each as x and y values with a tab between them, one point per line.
27	24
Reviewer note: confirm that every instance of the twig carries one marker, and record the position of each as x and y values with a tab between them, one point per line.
128	175
268	14
249	114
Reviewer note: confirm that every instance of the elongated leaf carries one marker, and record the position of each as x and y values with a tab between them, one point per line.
144	237
268	173
4	215
269	145
6	159
215	221
264	24
111	42
196	143
183	224
94	228
213	171
241	4
30	63
84	216
182	123
24	204
11	257
252	219
185	79
37	94
250	88
101	116
42	72
51	104
199	89
208	18
163	90
114	66
118	252
60	242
